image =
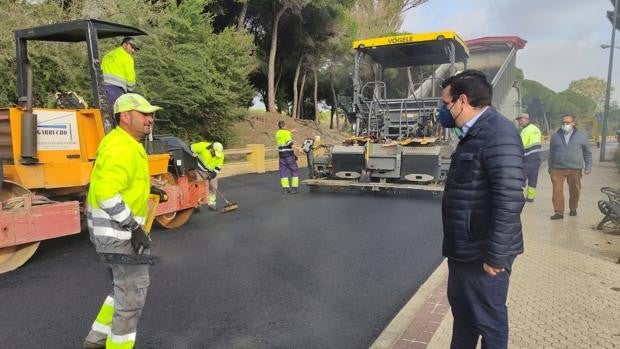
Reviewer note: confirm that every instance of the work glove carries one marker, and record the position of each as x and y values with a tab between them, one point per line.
163	196
211	174
139	240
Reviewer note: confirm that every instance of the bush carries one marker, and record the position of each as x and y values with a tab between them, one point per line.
199	77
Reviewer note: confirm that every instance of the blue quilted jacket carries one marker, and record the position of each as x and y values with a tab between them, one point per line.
483	197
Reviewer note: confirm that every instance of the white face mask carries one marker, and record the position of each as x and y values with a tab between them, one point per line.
567	128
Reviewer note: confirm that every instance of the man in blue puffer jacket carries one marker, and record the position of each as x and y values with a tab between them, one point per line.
481	212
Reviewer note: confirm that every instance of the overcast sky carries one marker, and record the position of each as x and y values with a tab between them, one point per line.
563	36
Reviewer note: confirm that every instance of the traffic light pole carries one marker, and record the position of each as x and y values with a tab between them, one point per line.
608	90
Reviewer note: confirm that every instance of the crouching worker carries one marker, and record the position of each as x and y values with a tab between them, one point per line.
211	155
116	211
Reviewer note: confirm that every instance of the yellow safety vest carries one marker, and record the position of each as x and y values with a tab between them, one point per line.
119	190
118	69
531	138
284	140
213	163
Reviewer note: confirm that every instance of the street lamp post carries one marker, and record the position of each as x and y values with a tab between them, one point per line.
607	92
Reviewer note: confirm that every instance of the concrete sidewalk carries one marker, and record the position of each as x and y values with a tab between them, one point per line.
565	288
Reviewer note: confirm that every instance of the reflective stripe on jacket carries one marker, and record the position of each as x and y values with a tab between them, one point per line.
213	163
284	140
118	193
531	138
118	69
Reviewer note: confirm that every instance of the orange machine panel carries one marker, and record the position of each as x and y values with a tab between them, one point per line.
67	141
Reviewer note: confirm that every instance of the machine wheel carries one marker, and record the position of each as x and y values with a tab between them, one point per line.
173	219
13	257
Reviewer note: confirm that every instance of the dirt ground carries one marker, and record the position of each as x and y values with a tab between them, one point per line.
261	127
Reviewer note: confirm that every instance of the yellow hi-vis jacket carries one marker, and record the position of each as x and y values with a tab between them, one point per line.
118	69
531	138
213	163
118	193
284	140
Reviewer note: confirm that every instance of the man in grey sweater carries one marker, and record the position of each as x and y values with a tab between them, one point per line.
569	157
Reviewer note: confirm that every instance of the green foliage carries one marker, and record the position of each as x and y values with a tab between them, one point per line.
200	77
592	87
51	63
547	107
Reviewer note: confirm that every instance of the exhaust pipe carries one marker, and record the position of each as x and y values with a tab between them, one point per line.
28	125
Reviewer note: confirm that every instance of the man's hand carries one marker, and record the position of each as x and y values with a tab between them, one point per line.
139	240
587	172
492	270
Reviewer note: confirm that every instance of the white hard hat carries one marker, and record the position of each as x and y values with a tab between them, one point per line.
218	148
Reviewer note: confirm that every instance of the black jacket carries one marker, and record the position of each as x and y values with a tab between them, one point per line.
483	195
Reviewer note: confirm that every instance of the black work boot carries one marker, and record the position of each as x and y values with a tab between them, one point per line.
573	213
294	190
557	216
91	345
285	191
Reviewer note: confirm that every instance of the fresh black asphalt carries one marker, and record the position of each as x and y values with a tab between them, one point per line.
315	270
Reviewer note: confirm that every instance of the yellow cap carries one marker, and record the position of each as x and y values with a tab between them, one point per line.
133	101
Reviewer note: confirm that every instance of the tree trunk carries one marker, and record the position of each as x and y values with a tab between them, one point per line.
410	90
241	19
334	103
271	91
316	96
295	90
300	108
279	76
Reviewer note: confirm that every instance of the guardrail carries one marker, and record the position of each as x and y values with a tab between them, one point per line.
254	158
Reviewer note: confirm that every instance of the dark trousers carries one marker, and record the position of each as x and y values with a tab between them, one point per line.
112	93
530	169
478	302
288	165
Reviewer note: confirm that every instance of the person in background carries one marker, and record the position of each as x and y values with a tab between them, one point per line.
288	159
531	138
211	155
119	75
570	156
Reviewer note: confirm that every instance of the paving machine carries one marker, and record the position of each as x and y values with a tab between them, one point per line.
398	139
47	155
398	142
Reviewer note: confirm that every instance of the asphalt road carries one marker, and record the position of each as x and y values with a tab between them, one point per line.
313	270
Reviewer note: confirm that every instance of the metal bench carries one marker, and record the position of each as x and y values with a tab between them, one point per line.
610	208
